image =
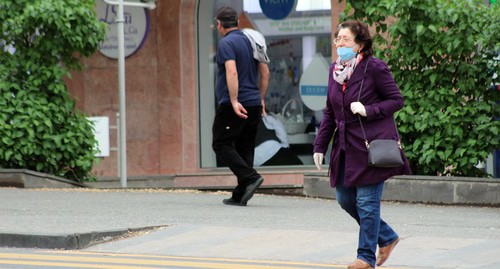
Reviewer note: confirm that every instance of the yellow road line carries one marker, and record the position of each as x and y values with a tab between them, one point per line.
85	262
206	259
75	265
80	259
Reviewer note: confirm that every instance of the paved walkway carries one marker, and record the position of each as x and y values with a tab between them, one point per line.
197	224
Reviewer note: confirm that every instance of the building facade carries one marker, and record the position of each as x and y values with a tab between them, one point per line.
170	99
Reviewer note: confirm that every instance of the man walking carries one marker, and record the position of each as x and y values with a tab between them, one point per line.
241	86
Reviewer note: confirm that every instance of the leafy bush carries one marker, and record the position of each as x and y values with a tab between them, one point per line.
40	129
444	56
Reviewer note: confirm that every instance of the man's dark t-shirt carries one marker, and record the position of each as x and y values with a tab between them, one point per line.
236	46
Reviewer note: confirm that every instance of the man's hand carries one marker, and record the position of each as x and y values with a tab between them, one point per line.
239	110
263	108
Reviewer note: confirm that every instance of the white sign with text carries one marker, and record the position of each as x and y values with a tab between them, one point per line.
136	27
295	26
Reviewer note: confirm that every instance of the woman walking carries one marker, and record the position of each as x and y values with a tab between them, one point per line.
359	186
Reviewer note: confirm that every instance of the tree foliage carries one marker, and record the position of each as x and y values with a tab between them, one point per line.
444	56
40	42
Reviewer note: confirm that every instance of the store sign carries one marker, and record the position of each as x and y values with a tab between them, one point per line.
313	90
314	83
295	26
276	9
136	27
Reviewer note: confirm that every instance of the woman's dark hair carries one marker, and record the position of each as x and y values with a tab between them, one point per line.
361	34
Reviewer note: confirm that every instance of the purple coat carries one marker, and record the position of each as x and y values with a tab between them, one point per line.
381	98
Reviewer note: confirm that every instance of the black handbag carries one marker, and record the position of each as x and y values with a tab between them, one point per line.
384	153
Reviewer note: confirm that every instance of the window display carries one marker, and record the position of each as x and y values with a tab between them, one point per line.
299	49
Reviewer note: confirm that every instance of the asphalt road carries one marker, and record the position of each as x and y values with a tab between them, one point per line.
270	229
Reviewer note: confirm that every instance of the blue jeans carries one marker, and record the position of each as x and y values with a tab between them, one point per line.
363	204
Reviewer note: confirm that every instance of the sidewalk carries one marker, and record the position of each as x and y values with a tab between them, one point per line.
197	224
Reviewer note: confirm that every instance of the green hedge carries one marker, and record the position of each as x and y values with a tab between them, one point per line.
40	129
444	56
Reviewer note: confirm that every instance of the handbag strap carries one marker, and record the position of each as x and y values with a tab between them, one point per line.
359	117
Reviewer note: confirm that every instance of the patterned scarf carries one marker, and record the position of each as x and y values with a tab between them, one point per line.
344	69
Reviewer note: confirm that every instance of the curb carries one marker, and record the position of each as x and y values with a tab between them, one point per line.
23	178
421	189
68	241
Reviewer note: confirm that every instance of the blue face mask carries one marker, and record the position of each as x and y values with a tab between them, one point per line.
346	53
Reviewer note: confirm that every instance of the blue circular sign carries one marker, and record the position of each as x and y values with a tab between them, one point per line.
276	9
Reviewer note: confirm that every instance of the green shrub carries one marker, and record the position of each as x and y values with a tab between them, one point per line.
444	56
40	129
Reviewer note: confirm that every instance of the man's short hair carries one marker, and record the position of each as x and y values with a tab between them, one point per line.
227	17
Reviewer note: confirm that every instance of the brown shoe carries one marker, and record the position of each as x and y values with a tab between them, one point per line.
359	264
385	252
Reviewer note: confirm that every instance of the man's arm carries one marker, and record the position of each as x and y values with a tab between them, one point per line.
263	83
232	85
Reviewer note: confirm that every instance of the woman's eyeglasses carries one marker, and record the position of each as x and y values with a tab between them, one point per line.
338	40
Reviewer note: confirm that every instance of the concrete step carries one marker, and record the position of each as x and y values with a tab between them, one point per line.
421	189
274	183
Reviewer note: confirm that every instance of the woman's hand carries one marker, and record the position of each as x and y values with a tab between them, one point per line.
358	108
318	160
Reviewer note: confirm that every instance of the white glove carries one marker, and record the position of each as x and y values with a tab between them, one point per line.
359	108
318	160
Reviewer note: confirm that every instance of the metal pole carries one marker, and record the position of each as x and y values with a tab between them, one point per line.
122	124
121	92
147	4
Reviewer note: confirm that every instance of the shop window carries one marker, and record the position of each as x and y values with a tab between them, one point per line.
299	47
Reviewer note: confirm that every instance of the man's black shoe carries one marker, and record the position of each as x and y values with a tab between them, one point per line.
230	201
250	190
